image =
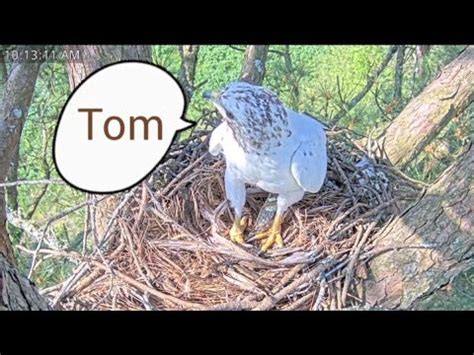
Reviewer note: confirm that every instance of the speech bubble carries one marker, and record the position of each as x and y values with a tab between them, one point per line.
117	126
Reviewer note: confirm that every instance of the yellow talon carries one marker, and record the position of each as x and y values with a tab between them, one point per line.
272	235
237	231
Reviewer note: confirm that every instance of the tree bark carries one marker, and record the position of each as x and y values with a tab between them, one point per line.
17	293
253	69
397	95
12	191
3	70
444	98
14	107
187	71
443	219
93	57
294	81
420	53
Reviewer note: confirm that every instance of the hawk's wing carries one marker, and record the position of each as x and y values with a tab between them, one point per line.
215	142
309	162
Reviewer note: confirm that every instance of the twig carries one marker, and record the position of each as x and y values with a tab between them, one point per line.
377	103
94	306
125	278
339	218
354	258
196	87
299	302
87	218
296	269
236	48
167	189
369	213
96	273
47	168
32	182
196	246
377	252
126	232
396	172
246	304
82	268
27	227
321	293
371	80
268	302
151	291
165	217
142	207
45	229
338	289
346	180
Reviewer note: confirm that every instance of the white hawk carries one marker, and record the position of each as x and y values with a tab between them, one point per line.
267	145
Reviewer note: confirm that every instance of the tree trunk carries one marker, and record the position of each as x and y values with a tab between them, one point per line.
397	95
3	71
294	81
444	98
14	107
443	222
93	57
187	71
420	53
253	69
12	191
17	293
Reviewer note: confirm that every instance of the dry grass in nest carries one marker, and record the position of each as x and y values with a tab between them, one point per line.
168	246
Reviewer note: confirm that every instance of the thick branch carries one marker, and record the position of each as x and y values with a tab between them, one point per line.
443	217
397	95
17	293
444	98
253	69
187	71
14	107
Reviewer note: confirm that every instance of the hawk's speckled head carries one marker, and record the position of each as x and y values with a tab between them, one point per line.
256	115
248	104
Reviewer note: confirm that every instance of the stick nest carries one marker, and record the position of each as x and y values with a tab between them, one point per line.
167	245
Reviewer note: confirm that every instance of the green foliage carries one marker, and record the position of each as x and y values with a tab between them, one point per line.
36	161
39	203
219	65
167	57
315	79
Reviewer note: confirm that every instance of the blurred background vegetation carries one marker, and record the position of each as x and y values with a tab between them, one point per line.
318	80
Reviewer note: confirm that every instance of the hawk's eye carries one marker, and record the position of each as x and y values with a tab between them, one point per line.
229	115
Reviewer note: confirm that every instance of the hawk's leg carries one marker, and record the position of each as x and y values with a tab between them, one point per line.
273	234
235	192
238	228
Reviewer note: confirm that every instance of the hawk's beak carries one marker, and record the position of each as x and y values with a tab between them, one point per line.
209	95
214	98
